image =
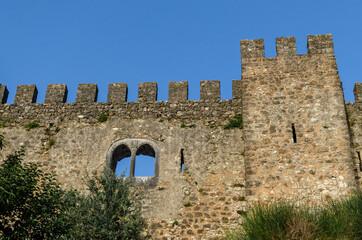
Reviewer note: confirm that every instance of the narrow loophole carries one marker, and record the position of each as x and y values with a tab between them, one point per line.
294	134
360	161
182	163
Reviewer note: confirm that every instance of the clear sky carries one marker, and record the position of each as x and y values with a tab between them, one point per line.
134	41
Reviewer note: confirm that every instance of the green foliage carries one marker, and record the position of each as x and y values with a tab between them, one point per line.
50	143
2	141
238	185
2	123
31	202
341	219
161	188
31	125
107	211
336	220
102	117
175	223
188	204
188	126
235	122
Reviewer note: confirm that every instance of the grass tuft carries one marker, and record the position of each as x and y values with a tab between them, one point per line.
338	219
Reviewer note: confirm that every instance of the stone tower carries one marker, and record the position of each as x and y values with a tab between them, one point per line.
297	142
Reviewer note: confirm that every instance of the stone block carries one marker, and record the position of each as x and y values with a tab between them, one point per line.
3	94
237	89
87	93
178	91
147	91
117	92
357	90
210	90
56	93
26	94
286	46
320	44
252	48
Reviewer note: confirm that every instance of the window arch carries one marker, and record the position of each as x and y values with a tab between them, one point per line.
144	166
130	148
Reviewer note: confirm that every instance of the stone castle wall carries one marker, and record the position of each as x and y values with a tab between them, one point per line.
298	141
297	138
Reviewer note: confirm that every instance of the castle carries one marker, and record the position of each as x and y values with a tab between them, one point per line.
299	139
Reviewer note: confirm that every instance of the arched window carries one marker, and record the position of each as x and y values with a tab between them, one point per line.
121	153
145	161
122	156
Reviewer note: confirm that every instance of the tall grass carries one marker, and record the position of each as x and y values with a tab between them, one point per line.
340	219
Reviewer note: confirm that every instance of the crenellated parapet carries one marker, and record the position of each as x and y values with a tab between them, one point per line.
286	46
117	92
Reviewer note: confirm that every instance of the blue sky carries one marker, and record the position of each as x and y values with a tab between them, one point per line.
110	41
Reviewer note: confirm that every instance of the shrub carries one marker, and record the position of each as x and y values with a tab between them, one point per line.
235	122
107	211
102	117
31	125
31	202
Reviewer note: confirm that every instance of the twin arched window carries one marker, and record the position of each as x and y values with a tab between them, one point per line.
131	148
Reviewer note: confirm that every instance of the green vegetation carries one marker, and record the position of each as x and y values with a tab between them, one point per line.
50	143
161	188
107	211
2	123
235	122
33	206
238	185
188	126
31	202
175	223
31	125
336	220
188	204
102	117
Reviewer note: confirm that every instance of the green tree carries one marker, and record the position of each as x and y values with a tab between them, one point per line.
31	201
108	211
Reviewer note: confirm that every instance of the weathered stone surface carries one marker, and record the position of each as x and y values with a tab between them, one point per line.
26	94
178	91
3	94
358	92
56	93
117	92
292	127
210	90
147	92
87	93
237	90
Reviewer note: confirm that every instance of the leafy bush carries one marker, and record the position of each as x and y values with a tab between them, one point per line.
235	122
107	211
102	117
31	125
31	202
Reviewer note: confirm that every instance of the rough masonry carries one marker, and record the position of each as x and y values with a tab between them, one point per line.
298	140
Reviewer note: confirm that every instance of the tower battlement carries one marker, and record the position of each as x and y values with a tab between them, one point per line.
286	46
